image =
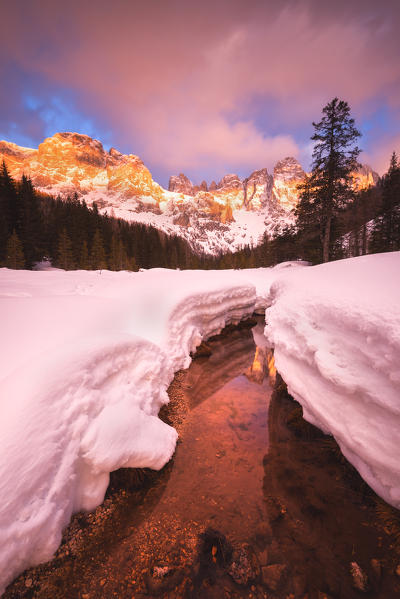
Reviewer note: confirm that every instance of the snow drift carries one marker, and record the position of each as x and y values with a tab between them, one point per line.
336	333
86	362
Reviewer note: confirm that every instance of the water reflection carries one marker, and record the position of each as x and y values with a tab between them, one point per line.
230	356
323	516
218	472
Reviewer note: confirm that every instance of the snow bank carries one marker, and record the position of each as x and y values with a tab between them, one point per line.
336	333
87	358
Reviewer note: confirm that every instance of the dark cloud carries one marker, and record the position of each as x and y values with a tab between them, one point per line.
176	82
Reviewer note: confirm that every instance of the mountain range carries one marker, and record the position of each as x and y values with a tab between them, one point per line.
212	217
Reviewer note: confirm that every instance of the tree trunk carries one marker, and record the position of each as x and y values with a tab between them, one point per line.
327	240
364	239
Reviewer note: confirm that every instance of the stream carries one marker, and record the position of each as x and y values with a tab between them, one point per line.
255	503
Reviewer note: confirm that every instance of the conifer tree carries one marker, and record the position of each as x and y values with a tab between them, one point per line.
118	257
131	264
15	254
65	257
84	262
98	259
8	203
29	221
390	220
334	158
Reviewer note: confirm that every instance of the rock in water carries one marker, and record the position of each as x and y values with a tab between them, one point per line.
272	575
360	579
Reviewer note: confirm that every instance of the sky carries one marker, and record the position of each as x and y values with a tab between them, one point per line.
205	88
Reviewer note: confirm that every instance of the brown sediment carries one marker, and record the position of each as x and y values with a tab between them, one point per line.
221	521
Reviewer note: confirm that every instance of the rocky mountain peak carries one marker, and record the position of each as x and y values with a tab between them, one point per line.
181	184
231	181
288	173
288	168
257	189
71	148
202	187
364	177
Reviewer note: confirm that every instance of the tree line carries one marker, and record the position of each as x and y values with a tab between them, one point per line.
35	226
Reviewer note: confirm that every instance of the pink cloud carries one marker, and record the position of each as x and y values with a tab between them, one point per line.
380	153
177	80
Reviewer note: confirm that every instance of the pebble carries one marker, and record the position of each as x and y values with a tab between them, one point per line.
272	575
360	579
28	582
376	568
243	567
263	557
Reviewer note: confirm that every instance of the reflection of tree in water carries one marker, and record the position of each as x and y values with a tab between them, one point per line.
323	515
230	357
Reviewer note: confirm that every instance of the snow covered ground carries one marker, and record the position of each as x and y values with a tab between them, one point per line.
87	358
336	333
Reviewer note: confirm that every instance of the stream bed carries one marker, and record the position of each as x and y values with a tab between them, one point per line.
255	503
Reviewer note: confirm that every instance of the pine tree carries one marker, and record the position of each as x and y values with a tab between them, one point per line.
131	264
390	219
118	256
8	203
29	221
98	259
329	185
65	257
84	262
15	254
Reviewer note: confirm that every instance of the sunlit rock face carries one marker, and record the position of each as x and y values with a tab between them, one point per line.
364	178
181	184
257	190
70	162
287	176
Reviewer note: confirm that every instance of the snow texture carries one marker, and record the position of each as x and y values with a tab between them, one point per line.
87	358
336	333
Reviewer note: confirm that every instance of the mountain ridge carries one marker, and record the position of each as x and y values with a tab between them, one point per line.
218	217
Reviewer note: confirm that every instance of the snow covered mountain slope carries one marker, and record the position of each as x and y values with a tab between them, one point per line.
219	217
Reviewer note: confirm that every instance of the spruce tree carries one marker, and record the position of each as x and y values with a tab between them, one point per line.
334	159
84	263
98	259
65	257
8	204
29	221
390	220
15	254
118	257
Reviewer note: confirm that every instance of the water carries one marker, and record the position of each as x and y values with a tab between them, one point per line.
217	477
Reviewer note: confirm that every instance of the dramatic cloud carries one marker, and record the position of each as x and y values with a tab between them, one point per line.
208	88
